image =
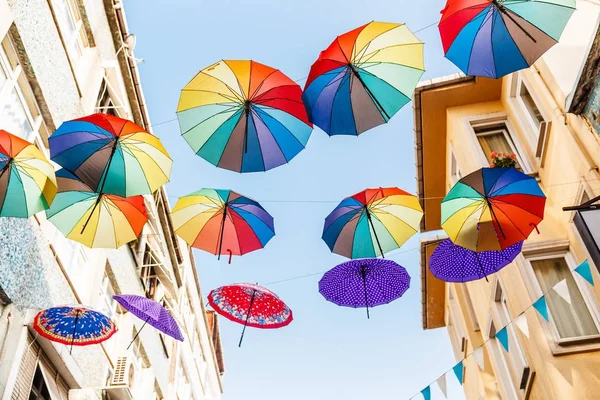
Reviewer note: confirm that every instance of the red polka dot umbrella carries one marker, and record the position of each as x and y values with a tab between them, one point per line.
250	305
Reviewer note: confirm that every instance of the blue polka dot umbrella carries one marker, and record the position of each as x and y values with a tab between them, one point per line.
366	282
452	263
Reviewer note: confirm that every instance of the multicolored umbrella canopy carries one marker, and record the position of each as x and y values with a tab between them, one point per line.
243	116
366	282
363	78
452	263
151	312
93	219
250	305
372	222
492	209
74	325
27	181
111	155
495	38
222	221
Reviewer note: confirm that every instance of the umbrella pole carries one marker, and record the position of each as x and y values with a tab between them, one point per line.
74	331
247	317
369	92
247	111
112	153
496	218
222	231
363	273
138	332
6	167
481	266
374	232
506	12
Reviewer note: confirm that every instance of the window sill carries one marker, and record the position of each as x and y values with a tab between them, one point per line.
577	345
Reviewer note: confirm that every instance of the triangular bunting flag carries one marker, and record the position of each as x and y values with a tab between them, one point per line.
521	322
585	271
458	371
442	384
478	356
426	393
541	307
502	336
562	289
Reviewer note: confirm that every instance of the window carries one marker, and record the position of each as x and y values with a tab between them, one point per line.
455	173
108	305
571	321
148	275
496	138
39	389
515	373
18	110
71	28
105	103
471	308
532	109
456	330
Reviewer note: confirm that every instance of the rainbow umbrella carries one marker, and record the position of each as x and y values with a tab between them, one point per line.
363	78
93	219
27	181
492	209
495	38
372	222
111	155
74	325
222	221
243	116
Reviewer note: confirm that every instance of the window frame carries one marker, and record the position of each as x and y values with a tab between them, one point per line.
532	131
560	345
480	121
78	42
453	167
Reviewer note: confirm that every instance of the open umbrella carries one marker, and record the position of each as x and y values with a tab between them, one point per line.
250	305
452	263
73	325
243	116
151	312
111	155
492	209
366	282
363	78
372	222
222	221
27	181
93	219
494	38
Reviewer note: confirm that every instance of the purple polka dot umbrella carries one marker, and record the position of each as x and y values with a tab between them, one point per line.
452	263
366	282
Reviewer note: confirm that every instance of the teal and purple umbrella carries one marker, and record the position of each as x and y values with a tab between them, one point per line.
495	38
366	282
73	325
452	263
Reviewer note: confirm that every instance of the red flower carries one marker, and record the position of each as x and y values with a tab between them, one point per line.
492	165
513	156
494	154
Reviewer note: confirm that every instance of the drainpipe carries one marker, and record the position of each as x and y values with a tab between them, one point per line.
5	340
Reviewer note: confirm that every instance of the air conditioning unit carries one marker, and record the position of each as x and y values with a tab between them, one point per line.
123	380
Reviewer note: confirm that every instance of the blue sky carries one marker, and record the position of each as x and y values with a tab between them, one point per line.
327	352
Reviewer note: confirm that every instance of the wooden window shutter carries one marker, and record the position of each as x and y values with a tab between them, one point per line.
26	370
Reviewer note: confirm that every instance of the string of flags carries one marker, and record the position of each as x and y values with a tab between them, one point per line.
541	306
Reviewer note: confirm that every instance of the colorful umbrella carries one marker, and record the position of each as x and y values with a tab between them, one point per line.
151	312
27	181
251	305
452	263
74	325
93	219
111	155
497	37
372	222
366	282
492	209
222	221
243	116
363	78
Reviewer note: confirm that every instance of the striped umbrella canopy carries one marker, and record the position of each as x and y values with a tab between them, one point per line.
222	221
494	38
363	78
372	222
111	155
243	116
93	219
27	180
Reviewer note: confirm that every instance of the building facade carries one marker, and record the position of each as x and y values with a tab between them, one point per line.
59	60
545	115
